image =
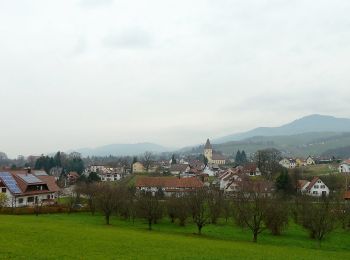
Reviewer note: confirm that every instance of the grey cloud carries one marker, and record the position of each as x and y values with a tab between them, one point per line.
128	39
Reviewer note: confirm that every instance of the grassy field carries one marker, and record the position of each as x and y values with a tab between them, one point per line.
82	236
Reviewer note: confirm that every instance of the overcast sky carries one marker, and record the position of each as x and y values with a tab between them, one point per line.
92	72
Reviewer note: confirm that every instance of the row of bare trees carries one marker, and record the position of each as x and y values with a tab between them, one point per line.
253	210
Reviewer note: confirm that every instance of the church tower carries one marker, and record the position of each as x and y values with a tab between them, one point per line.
208	151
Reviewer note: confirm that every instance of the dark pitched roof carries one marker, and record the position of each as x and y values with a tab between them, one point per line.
178	167
249	168
217	156
208	145
312	183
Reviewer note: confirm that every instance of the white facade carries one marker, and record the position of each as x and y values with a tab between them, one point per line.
310	161
288	163
344	167
318	189
26	200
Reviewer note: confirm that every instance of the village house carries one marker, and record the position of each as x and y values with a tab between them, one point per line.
251	170
316	187
168	185
106	173
288	163
212	156
228	178
310	161
72	178
138	167
23	188
344	166
178	168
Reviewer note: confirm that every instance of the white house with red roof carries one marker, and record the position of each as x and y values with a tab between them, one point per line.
344	166
316	187
23	188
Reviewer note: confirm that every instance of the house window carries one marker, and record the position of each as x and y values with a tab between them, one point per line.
48	196
316	186
323	186
315	192
20	200
3	190
30	199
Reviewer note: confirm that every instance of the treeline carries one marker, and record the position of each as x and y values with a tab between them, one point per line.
252	210
68	163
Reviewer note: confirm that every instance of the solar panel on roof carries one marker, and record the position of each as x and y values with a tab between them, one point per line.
29	178
9	182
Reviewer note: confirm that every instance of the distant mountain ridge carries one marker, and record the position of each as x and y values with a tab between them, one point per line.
122	149
307	124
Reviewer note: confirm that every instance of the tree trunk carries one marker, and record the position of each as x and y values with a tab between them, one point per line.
149	224
107	219
255	238
199	229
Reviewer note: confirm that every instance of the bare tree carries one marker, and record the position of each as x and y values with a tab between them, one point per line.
171	206
268	161
89	191
250	209
197	203
149	208
127	208
227	209
177	208
147	160
215	204
276	216
107	199
318	217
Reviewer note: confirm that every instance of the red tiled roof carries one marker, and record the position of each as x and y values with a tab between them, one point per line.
302	183
251	167
191	182
346	161
50	181
312	183
346	195
179	167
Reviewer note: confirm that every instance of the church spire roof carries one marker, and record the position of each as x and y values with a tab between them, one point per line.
208	145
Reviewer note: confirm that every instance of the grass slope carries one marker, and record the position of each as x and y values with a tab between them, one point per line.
86	237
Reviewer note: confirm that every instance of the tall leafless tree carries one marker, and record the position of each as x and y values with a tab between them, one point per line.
250	209
147	160
198	205
150	208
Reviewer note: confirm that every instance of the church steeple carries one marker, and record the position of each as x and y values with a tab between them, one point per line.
208	145
208	151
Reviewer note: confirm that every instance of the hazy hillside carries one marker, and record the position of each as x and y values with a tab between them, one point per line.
342	152
308	124
292	145
122	149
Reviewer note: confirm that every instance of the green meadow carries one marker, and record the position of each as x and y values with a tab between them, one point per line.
82	236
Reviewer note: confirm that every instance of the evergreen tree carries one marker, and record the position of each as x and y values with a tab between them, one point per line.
238	158
244	159
173	160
